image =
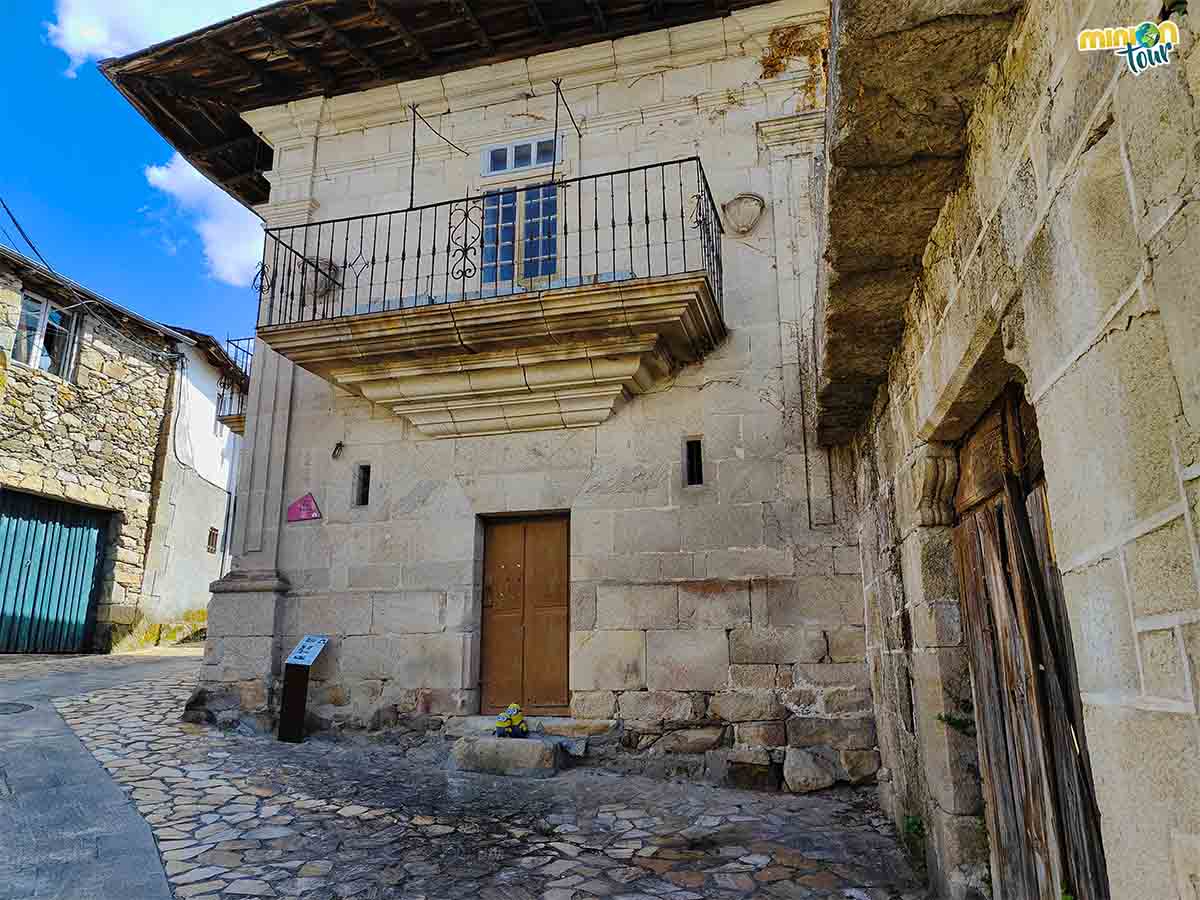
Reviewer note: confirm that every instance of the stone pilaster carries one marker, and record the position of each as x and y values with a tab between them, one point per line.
242	653
243	649
943	715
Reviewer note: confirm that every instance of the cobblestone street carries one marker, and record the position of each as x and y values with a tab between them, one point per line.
40	665
245	816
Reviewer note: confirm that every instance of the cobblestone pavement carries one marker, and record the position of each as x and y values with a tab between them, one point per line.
36	665
244	816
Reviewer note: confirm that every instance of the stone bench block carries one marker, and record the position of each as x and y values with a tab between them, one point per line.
528	757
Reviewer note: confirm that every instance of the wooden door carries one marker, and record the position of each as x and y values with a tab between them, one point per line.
1041	812
526	614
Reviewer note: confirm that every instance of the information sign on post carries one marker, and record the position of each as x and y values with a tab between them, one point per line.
295	687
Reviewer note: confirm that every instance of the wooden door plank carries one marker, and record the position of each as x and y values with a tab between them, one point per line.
1068	769
547	613
1012	865
1023	705
502	638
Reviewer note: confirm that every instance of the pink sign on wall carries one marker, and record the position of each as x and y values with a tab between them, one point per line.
304	510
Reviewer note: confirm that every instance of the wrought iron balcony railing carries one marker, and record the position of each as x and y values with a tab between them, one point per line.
234	386
644	222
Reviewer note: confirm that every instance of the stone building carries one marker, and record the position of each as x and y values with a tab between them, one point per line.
551	445
195	512
923	335
86	399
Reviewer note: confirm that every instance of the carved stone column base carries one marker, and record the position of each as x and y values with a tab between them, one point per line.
242	654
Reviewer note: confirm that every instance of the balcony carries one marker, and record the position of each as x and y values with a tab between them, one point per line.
544	305
234	385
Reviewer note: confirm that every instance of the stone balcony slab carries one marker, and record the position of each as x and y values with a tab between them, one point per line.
561	358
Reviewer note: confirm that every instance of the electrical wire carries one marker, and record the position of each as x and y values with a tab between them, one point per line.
101	317
100	313
12	243
182	369
36	251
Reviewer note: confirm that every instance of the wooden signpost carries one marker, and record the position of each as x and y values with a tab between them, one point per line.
294	705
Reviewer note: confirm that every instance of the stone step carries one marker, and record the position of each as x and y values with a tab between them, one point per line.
558	726
530	757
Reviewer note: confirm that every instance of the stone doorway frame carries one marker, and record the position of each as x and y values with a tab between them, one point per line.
920	669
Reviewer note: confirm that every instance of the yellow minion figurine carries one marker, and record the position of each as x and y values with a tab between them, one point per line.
511	723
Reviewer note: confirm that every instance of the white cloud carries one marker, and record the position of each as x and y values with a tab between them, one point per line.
232	235
94	29
88	30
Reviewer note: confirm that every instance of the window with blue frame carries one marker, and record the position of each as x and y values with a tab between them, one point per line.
499	237
536	241
540	254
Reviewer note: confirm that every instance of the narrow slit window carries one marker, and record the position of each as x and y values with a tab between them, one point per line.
362	486
693	462
213	537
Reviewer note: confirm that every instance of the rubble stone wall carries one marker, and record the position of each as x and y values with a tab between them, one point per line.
734	602
89	439
1067	260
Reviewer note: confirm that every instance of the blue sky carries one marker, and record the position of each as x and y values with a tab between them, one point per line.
75	166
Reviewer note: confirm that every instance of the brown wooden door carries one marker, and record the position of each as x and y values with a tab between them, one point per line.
1041	812
526	614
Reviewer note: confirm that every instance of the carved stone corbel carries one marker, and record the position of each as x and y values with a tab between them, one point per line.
934	479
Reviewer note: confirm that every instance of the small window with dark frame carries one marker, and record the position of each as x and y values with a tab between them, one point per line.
362	485
693	461
214	538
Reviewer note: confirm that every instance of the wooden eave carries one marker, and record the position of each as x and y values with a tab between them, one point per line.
193	89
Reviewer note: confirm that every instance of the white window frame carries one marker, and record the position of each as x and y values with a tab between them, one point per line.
40	338
509	147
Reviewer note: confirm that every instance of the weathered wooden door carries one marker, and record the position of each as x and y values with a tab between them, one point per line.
1041	812
525	614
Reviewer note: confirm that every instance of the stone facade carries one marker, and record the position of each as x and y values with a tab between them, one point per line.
91	438
723	618
1066	260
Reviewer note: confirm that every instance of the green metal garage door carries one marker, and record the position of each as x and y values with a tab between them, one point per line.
50	561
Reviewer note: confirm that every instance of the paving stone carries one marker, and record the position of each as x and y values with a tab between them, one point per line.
250	817
199	874
267	832
250	887
204	889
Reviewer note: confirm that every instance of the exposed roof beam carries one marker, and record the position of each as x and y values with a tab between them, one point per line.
464	9
241	64
384	11
307	60
156	100
247	141
242	176
355	51
180	89
598	17
535	13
